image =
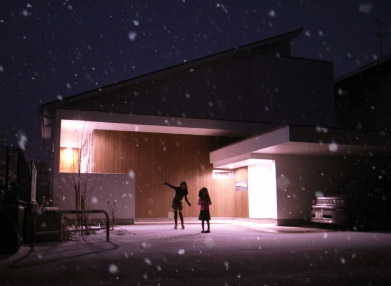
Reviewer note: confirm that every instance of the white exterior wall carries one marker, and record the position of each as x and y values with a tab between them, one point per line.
101	188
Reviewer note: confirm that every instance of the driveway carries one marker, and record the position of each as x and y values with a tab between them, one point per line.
234	253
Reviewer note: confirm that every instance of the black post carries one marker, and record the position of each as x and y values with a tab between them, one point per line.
6	168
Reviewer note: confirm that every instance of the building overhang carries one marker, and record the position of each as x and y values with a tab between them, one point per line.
77	120
300	140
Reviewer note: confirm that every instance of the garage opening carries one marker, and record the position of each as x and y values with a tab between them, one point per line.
262	190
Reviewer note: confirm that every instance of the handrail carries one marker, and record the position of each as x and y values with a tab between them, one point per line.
74	230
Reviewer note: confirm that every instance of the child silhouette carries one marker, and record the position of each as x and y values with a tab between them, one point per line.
204	202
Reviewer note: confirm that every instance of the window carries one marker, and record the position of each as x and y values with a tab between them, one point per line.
69	160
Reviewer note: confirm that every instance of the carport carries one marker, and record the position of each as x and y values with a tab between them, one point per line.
289	166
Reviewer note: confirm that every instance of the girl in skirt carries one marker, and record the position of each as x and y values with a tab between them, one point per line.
180	193
204	202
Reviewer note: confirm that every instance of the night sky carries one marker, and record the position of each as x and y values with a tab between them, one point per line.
53	49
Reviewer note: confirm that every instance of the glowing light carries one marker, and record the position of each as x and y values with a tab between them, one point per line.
68	155
72	124
222	174
262	190
69	160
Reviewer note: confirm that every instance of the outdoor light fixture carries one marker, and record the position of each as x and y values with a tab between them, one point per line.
222	174
68	155
69	160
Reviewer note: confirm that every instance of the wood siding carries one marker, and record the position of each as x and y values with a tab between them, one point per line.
241	174
69	160
156	158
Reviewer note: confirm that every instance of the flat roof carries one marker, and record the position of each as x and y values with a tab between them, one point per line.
300	140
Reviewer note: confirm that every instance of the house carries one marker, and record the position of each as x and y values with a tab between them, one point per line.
363	97
17	177
252	124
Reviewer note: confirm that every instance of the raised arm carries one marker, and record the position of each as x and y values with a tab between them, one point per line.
167	184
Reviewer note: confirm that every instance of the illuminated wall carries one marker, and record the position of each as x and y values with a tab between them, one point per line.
75	146
69	160
155	158
143	161
262	190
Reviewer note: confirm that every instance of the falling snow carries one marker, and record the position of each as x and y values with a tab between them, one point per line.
113	269
131	174
333	147
22	139
132	35
84	55
209	242
272	13
365	8
147	261
94	200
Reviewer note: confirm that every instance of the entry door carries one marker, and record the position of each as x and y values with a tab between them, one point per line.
262	191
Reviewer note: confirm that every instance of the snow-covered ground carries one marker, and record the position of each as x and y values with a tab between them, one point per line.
234	253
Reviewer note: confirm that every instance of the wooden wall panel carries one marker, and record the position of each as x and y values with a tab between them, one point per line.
156	158
241	174
69	160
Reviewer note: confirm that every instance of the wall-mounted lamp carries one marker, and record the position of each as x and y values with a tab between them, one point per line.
222	174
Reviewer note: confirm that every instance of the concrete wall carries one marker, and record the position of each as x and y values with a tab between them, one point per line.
301	178
101	189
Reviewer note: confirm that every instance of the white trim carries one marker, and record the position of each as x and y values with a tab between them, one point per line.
162	124
299	140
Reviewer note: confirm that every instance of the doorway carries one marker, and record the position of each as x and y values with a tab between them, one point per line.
262	189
